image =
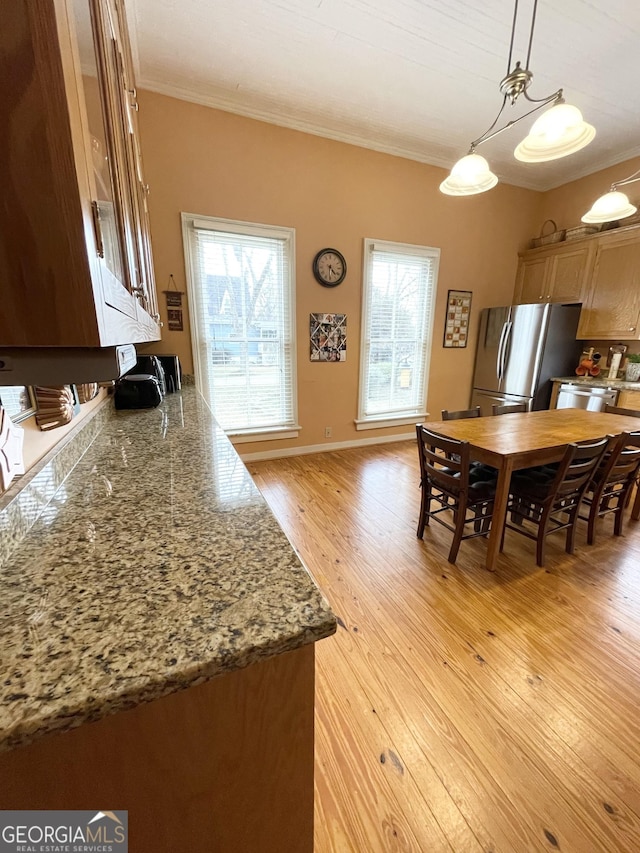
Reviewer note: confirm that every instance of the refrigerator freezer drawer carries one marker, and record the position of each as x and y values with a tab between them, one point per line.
579	397
486	400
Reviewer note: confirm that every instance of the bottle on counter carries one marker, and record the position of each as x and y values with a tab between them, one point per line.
616	358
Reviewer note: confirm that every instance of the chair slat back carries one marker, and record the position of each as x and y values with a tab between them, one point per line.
620	410
578	466
460	414
622	461
508	408
445	461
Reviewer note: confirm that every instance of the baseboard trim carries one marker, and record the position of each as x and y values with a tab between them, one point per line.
323	448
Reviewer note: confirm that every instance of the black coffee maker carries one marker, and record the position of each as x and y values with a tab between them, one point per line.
172	372
151	365
143	387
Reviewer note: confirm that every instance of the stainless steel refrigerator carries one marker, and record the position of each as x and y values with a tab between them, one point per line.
520	347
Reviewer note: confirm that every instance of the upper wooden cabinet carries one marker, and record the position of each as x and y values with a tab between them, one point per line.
554	274
612	306
75	257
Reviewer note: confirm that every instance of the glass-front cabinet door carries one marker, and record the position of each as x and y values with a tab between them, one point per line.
120	191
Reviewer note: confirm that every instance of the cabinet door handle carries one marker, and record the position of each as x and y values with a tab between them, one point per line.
97	229
632	329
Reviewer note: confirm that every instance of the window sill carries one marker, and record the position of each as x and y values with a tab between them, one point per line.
264	435
386	421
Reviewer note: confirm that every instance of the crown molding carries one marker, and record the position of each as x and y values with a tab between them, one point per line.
269	115
597	166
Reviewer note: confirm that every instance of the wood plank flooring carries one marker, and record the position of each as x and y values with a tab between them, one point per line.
458	709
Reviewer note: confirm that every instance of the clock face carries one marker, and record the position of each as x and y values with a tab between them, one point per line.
329	267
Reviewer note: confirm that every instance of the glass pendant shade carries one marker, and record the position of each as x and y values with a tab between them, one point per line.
558	132
609	207
470	175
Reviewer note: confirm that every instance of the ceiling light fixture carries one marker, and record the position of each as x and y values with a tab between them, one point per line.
558	132
612	205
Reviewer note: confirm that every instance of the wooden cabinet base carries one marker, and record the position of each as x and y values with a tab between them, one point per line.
223	767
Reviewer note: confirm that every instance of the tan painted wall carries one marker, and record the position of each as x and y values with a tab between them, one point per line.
568	203
204	161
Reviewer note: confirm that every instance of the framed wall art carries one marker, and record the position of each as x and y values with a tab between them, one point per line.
456	327
328	337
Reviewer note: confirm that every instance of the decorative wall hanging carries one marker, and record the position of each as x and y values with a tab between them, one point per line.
173	298
328	334
11	461
56	405
456	327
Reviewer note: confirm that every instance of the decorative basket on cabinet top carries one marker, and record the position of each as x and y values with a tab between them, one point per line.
554	236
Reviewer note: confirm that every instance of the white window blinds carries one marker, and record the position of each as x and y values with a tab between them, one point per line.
241	292
399	290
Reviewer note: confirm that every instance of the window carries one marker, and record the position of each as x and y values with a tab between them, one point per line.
241	291
397	315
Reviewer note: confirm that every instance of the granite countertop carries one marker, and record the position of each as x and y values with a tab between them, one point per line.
156	566
598	382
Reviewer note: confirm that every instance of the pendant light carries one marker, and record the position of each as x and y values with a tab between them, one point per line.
558	132
612	205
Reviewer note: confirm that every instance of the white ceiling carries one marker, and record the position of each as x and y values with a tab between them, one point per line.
417	78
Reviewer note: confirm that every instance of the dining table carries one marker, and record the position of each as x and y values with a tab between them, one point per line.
524	439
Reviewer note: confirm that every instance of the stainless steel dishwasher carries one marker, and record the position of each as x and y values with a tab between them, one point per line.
585	397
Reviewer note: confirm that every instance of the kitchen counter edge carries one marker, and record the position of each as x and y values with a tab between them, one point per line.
156	566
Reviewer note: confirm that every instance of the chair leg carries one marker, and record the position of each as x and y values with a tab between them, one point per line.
591	522
635	512
619	512
425	506
541	539
459	516
571	530
618	516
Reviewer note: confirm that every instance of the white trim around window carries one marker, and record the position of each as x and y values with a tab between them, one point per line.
399	289
241	286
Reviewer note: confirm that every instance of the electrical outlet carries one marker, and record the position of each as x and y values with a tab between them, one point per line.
327	432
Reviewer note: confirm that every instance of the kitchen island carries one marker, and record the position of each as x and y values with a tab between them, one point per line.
156	640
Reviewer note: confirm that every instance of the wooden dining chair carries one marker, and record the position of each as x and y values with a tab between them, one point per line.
620	410
447	480
508	408
632	413
612	483
460	414
549	499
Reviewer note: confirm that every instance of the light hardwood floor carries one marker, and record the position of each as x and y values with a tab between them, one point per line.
460	710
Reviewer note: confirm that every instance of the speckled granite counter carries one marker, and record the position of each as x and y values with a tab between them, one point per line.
156	566
599	382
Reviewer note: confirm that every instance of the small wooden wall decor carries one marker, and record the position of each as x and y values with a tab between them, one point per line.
173	297
456	328
11	461
56	405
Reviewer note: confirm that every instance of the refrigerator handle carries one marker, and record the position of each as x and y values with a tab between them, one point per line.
505	346
499	360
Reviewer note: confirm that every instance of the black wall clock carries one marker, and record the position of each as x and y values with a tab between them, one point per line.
329	267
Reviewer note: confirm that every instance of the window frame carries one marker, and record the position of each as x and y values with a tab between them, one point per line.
390	419
192	221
